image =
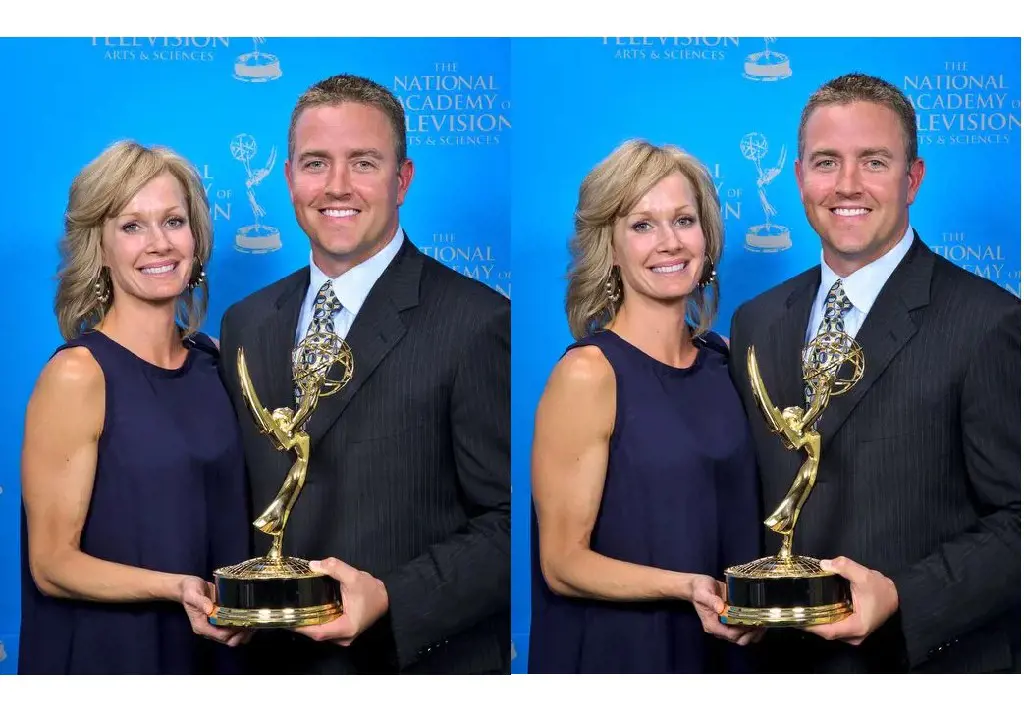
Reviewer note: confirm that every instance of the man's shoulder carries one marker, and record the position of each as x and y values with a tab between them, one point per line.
963	289
266	297
449	288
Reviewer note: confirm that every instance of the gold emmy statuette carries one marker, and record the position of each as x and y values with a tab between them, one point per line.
785	590
275	590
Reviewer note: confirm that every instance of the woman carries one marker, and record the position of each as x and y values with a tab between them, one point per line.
132	471
644	479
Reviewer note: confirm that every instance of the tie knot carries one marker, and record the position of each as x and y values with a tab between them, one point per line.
327	303
836	307
837	298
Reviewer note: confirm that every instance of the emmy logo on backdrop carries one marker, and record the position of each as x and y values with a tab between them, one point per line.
767	65
257	237
766	237
257	66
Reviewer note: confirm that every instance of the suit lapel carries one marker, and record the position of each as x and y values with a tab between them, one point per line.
375	331
886	330
786	335
274	340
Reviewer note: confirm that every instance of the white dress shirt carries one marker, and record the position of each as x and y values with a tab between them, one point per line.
351	287
861	287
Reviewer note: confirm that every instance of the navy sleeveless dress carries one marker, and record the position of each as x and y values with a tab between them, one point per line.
680	494
169	495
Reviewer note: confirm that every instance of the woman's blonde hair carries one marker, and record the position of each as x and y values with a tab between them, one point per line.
98	193
608	193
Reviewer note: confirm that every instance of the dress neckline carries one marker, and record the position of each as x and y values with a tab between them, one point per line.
150	366
698	361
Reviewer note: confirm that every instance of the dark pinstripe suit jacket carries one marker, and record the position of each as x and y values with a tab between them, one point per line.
920	469
409	466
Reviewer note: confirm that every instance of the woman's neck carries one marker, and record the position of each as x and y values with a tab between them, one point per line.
148	330
659	329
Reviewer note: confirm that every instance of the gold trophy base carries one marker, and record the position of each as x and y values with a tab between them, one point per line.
269	618
785	592
274	593
785	616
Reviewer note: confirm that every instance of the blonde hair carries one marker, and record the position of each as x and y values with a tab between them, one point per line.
608	193
98	193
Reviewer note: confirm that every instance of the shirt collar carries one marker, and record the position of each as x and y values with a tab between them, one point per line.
863	285
353	286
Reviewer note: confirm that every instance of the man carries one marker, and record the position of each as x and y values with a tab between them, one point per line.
407	493
917	499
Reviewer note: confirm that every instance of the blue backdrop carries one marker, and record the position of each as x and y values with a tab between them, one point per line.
225	103
735	104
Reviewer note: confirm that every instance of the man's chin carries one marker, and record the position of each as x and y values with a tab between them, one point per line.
850	244
334	247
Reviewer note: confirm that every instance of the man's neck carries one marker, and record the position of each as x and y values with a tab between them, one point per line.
336	266
844	266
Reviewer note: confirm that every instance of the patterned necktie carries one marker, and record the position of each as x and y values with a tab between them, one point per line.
836	307
325	307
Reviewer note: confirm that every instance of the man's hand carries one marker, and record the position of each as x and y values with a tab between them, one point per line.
364	600
874	601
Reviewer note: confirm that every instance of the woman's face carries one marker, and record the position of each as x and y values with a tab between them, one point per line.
659	245
148	247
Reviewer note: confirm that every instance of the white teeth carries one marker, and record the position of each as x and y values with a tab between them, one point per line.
159	270
850	212
340	212
669	269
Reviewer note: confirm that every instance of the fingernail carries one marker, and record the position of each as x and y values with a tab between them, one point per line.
826	565
314	565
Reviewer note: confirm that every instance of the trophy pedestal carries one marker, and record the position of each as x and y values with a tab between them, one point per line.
767	66
790	592
267	593
768	238
257	239
257	67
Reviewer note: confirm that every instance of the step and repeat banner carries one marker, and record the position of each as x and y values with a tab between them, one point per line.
225	103
735	104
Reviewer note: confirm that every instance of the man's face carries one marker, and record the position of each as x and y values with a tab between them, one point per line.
345	183
856	183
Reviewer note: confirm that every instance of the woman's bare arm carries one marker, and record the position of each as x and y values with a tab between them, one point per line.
573	428
58	465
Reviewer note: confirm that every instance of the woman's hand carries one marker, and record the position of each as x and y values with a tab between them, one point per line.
708	598
198	596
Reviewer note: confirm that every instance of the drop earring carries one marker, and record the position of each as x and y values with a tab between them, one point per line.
197	277
709	273
612	288
101	289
